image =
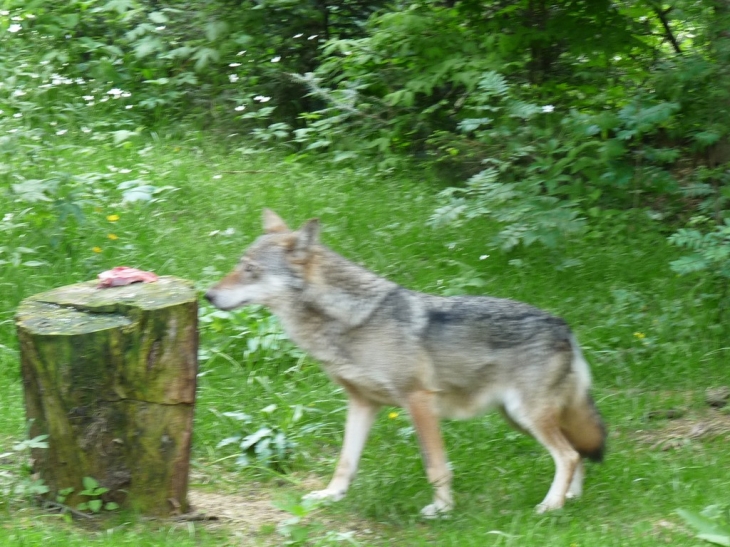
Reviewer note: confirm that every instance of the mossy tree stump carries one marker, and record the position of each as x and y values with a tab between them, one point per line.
109	374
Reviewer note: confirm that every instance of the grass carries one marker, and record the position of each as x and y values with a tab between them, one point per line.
654	342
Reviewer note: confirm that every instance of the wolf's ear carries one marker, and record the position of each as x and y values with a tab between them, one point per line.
308	236
273	223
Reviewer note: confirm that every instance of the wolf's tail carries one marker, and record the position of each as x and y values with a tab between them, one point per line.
581	422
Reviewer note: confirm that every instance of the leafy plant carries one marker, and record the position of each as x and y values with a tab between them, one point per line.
263	442
711	249
526	215
712	523
251	336
95	492
28	485
301	529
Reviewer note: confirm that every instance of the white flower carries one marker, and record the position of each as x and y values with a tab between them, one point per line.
241	53
125	171
312	37
298	35
85	130
18	93
15	28
88	97
234	65
17	115
483	257
548	108
61	131
240	108
262	99
233	77
161	27
129	107
276	59
126	94
217	176
4	12
116	92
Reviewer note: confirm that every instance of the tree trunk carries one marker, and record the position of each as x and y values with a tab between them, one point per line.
110	374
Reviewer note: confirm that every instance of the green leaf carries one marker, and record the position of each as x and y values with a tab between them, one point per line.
95	505
122	135
215	30
228	440
493	83
147	46
111	506
89	483
158	17
203	56
254	438
709	530
717	539
120	6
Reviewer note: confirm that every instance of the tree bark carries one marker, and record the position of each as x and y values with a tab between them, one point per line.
110	375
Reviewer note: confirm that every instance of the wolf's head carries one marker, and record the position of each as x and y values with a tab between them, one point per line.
273	268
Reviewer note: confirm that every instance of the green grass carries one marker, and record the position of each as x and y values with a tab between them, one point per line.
654	342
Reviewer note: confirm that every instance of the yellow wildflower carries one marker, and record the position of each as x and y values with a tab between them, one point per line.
112	218
96	249
393	415
640	335
113	236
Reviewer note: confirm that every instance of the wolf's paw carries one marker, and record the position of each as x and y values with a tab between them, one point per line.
325	495
437	509
546	506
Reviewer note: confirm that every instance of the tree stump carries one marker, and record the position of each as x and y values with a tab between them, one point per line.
110	374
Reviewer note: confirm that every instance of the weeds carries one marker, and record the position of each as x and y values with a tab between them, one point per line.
289	416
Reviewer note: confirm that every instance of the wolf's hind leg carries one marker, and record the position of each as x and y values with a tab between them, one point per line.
575	490
421	406
360	418
567	460
544	425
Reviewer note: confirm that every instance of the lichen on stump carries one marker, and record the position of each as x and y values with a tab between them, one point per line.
109	374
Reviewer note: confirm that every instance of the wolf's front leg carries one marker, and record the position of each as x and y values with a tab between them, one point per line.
360	417
422	408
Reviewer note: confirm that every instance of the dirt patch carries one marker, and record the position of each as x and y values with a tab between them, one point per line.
687	429
244	512
254	519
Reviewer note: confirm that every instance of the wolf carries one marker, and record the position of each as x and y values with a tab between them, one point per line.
437	357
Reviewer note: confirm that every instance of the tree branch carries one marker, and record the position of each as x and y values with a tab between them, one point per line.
662	14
